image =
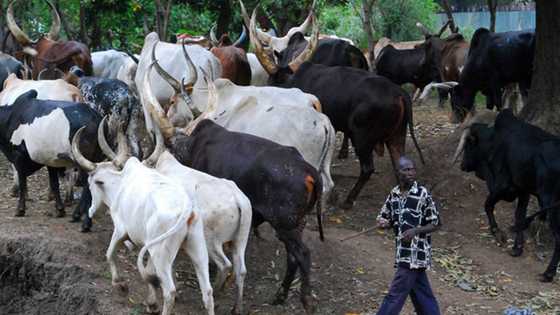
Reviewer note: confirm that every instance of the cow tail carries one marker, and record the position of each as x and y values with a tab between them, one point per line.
329	139
315	199
528	220
186	217
245	215
408	109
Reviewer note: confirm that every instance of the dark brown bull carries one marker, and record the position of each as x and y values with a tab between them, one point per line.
235	65
448	56
49	56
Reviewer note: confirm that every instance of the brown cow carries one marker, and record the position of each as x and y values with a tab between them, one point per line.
235	65
49	56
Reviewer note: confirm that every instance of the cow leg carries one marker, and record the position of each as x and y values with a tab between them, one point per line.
520	214
20	212
343	153
162	256
84	204
223	264
55	189
550	272
489	205
366	169
153	284
196	249
291	268
443	96
240	271
116	239
14	191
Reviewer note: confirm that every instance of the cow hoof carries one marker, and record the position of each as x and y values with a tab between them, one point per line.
343	156
75	219
516	251
235	311
85	229
309	304
152	308
50	196
546	278
19	213
60	213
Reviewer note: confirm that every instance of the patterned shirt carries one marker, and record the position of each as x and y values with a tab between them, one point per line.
406	210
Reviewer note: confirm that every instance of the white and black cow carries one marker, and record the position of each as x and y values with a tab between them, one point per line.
36	133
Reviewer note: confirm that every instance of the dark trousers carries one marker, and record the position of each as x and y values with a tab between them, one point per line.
414	282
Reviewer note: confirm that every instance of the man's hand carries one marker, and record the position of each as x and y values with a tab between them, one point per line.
409	234
383	223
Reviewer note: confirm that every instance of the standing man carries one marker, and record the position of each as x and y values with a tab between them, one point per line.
411	212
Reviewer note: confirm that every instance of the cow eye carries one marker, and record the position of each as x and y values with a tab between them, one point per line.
99	182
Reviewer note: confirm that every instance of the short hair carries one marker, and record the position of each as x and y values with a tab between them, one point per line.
403	159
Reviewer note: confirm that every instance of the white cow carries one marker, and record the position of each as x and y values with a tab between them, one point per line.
225	210
55	90
172	59
114	64
286	116
149	209
259	76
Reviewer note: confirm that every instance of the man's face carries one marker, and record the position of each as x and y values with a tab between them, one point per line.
407	172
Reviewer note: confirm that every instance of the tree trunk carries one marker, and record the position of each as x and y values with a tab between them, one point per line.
452	27
543	108
83	25
163	9
224	18
492	4
368	28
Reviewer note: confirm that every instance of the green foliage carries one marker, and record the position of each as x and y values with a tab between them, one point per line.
342	20
396	19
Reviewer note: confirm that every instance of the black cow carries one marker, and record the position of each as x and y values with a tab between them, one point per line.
115	98
9	64
516	160
329	52
281	186
36	133
494	60
369	109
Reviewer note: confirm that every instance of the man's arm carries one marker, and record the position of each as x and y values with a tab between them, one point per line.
431	215
385	215
410	233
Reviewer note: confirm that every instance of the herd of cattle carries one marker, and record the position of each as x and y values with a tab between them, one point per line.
242	138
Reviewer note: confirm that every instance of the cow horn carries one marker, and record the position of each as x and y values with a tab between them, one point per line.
20	36
176	85
213	38
212	101
84	163
242	38
423	29
192	69
55	27
461	145
266	61
122	148
443	28
105	148
155	108
306	54
305	25
266	38
160	146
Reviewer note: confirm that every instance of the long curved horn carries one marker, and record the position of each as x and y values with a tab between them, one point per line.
212	103
268	64
306	54
166	76
423	29
266	38
443	28
213	38
305	25
242	38
461	145
192	69
122	148
20	36
84	163
40	75
55	26
159	149
155	108
105	148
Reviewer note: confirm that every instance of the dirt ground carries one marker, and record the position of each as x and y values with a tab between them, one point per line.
48	267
